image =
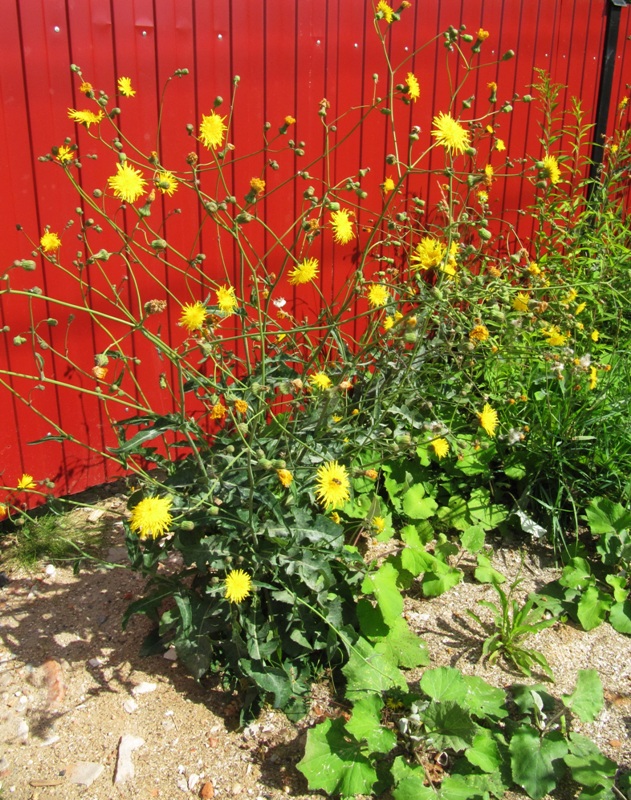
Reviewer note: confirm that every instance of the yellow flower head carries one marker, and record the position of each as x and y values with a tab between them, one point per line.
385	10
50	242
241	406
99	373
378	525
304	272
238	586
488	419
482	35
493	87
483	197
285	477
333	488
595	336
218	411
449	133
488	174
378	295
499	145
551	169
226	300
336	518
429	253
343	231
388	185
441	447
593	378
388	323
554	336
128	183
86	87
521	302
414	90
580	308
534	268
289	120
212	130
193	316
26	482
320	380
480	333
64	154
150	518
85	117
257	185
166	182
125	87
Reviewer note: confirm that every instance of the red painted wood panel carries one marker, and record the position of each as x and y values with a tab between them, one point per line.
289	56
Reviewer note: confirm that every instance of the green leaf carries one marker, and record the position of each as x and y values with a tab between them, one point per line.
588	765
439	577
473	538
484	511
370	671
444	683
406	648
620	617
410	781
617	583
272	680
334	762
587	699
455	514
365	724
535	760
371	622
460	787
576	575
448	725
605	516
416	505
484	700
484	753
383	584
592	607
485	573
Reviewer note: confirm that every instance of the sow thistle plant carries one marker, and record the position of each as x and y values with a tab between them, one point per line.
404	404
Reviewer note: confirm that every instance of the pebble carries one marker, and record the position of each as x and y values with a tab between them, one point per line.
193	780
124	765
22	731
84	773
144	688
95	514
54	682
170	655
207	791
50	570
96	662
130	705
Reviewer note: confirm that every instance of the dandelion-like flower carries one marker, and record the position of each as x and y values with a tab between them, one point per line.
385	10
479	333
554	337
551	169
320	380
483	197
449	133
26	482
482	35
428	253
212	130
595	335
289	120
521	302
378	525
85	117
241	406
488	419
238	586
257	185
150	518
440	447
166	182
193	316
50	242
500	146
128	183
388	185
64	154
285	477
226	300
593	378
388	323
343	231
305	271
218	411
125	88
86	87
378	295
99	373
414	90
333	488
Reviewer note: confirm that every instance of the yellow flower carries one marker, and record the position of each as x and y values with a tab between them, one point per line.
551	169
85	117
534	268
388	323
26	482
257	185
482	35
414	90
595	336
580	308
499	145
521	302
289	120
343	231
378	524
50	242
151	517
166	182
372	474
429	252
128	183
336	518
488	419
193	316
332	484
238	586
218	411
554	336
64	154
125	87
493	87
320	380
99	372
226	300
623	103
488	174
449	133
378	295
483	197
211	130
480	333
388	186
3	510
593	378
285	477
304	272
386	11
241	407
441	447
86	87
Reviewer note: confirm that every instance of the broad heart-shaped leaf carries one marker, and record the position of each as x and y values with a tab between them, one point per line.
402	645
588	765
448	725
484	700
485	573
370	671
483	511
455	514
605	516
365	724
461	787
620	617
587	700
472	539
334	762
440	578
535	760
410	781
484	752
444	683
383	584
416	505
592	607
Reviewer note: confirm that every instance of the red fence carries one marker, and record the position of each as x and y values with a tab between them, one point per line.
290	55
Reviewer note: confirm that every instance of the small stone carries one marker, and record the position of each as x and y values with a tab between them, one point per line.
124	765
615	743
96	662
84	773
207	791
144	688
237	789
50	570
170	655
193	780
213	741
95	515
130	705
54	681
22	731
182	784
